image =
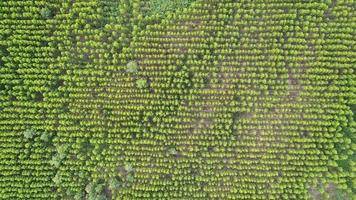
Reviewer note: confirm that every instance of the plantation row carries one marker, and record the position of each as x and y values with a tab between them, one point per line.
177	99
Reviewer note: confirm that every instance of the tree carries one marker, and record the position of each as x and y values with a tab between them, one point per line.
57	179
29	133
95	191
141	83
46	13
128	168
78	196
44	137
114	183
56	161
173	151
132	67
130	178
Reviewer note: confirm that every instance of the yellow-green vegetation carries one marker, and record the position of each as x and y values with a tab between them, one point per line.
177	99
161	7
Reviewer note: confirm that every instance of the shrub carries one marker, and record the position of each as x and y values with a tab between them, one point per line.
173	151
44	137
95	191
132	67
57	179
128	168
130	178
29	133
46	13
114	183
160	7
141	83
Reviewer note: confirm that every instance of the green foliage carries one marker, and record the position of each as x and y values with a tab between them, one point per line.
132	67
70	193
324	189
29	133
90	188
161	7
130	178
141	83
241	99
99	188
45	137
95	191
173	151
128	168
339	195
55	161
78	196
59	156
114	184
62	149
57	179
46	13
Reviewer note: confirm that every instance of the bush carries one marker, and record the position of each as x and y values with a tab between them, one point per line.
114	184
46	13
95	191
173	151
141	83
132	67
128	168
29	133
44	137
160	7
57	179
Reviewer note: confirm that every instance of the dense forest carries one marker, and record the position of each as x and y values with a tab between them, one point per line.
177	99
